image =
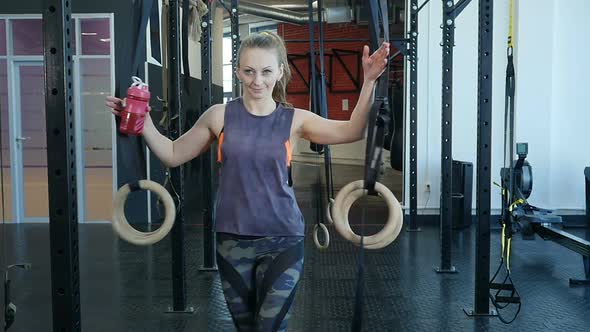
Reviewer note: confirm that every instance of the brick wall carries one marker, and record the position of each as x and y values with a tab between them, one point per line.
340	81
299	97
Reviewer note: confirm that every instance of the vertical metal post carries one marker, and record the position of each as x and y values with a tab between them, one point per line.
209	258
61	170
177	173
446	201
413	59
484	152
587	182
235	45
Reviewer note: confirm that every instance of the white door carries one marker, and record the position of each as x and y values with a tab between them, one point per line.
28	142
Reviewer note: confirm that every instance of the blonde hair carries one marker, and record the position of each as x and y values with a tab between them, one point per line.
271	41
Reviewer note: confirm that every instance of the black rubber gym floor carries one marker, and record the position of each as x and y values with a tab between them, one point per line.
128	288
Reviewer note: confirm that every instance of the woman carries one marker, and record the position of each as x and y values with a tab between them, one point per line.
259	226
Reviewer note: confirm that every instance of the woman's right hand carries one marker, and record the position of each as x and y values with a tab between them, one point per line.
116	105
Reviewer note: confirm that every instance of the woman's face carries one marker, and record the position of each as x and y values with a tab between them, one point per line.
259	71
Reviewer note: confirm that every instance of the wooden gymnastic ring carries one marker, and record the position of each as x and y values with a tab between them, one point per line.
344	200
316	228
329	220
122	227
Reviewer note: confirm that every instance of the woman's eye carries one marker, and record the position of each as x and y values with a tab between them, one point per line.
268	71
248	71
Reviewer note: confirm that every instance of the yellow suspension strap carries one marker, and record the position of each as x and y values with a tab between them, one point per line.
500	299
511	25
508	241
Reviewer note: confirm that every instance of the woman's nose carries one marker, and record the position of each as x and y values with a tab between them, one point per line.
257	79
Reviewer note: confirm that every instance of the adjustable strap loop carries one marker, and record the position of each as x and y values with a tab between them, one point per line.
134	186
319	105
379	116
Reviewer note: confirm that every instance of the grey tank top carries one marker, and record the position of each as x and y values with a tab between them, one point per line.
254	196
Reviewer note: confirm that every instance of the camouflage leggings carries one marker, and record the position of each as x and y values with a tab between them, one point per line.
259	276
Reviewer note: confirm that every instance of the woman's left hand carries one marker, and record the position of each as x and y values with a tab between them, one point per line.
374	65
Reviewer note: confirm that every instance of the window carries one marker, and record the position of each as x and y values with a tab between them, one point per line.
227	69
27	37
95	36
95	84
2	37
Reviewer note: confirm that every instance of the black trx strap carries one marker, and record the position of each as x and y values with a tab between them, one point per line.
323	103
512	199
379	115
396	133
318	95
131	157
142	12
313	77
509	192
155	32
134	186
379	118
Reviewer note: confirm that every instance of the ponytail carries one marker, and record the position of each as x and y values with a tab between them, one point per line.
279	93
